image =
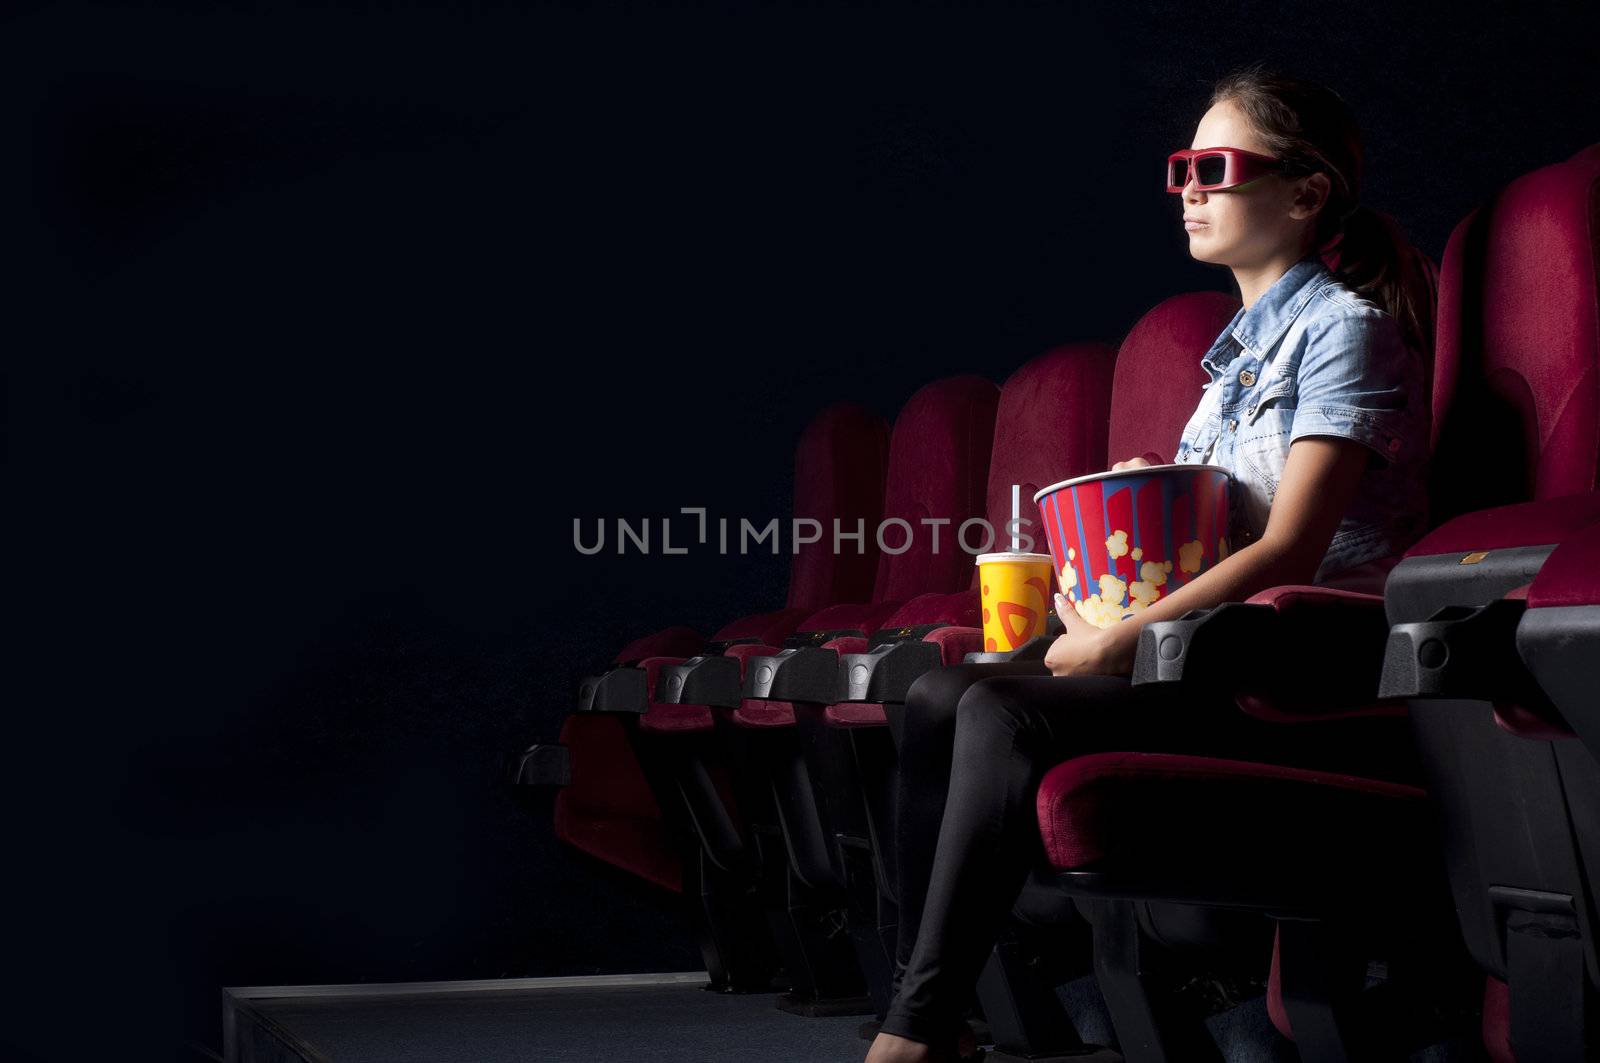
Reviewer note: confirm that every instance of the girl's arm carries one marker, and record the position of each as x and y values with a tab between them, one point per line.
1319	482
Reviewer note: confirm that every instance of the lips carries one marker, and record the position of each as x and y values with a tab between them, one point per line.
1191	224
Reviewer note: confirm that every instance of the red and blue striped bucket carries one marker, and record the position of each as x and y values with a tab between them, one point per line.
1121	541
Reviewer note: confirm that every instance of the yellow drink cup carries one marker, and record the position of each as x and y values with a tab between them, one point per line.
1016	598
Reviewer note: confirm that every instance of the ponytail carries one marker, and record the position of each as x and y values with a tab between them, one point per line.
1370	254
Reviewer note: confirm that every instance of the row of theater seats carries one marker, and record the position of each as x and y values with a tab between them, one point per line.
1451	829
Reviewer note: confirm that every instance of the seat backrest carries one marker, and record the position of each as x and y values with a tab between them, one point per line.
938	469
1050	427
839	469
1518	377
1517	388
1158	375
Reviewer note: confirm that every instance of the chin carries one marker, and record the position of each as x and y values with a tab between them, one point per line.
1201	251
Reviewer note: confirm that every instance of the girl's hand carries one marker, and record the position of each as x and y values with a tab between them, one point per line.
1131	463
1089	650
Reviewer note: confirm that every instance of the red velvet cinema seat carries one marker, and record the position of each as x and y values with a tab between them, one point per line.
1517	794
1558	642
1347	852
938	464
694	718
605	806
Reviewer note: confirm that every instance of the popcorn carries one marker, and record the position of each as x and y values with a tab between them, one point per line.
1097	612
1107	607
1146	591
1114	600
1155	572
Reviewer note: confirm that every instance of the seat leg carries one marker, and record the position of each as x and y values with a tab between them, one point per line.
1152	1026
729	926
1322	978
721	878
873	922
1019	999
821	956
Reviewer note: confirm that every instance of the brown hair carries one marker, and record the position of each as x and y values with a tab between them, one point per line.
1313	129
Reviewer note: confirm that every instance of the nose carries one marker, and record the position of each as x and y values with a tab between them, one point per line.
1191	190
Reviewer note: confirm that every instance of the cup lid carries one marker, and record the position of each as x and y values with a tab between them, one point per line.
1143	470
1012	555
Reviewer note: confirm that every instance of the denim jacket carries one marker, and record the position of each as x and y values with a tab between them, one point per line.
1312	358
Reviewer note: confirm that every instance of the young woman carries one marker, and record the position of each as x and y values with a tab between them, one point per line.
1316	404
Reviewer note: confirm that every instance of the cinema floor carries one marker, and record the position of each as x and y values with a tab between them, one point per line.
657	1018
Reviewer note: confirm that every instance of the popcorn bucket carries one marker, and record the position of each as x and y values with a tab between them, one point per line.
1122	540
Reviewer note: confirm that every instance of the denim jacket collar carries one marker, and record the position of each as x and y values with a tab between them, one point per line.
1258	329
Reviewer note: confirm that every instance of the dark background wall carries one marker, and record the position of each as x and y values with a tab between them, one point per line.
327	323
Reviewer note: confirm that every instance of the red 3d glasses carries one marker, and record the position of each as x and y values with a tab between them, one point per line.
1216	169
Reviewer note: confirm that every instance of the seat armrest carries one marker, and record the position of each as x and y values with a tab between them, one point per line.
1462	653
809	674
898	657
701	681
885	672
545	764
622	690
1292	651
1194	648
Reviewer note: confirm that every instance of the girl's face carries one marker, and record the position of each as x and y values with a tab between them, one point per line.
1255	223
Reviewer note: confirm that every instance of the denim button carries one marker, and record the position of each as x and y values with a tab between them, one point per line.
1233	425
1247	378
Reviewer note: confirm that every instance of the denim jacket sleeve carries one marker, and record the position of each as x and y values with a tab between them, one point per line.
1358	380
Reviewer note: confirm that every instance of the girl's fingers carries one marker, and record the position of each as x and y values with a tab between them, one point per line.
1069	616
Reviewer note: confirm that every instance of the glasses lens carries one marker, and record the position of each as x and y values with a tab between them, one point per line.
1177	172
1210	169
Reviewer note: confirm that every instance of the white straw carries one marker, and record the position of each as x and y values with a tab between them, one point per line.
1016	504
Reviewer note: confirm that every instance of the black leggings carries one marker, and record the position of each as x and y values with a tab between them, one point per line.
974	741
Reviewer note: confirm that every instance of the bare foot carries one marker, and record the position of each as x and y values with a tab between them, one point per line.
887	1048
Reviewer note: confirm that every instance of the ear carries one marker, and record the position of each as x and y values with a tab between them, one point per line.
1311	196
